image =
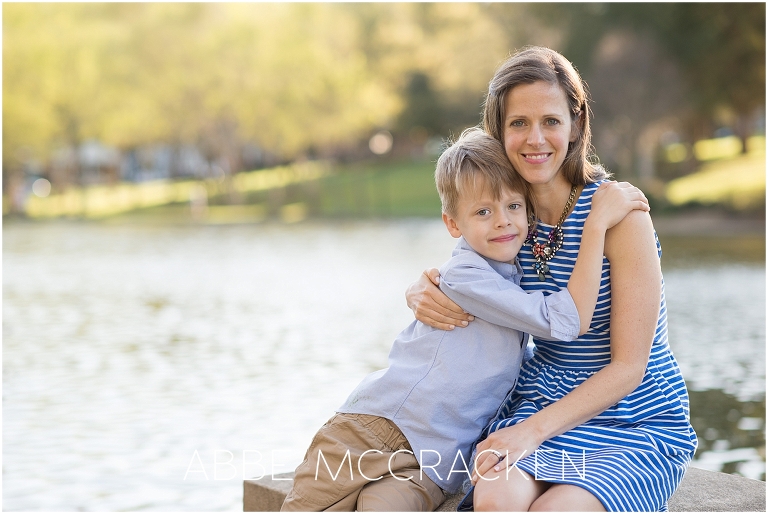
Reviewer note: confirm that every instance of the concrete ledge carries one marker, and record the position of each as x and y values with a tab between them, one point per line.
700	491
266	494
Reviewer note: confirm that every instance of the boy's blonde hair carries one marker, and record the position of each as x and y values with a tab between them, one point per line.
476	154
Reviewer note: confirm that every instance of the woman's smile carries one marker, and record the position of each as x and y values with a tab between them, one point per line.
536	158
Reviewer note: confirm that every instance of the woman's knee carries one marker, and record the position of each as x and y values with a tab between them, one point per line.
567	498
547	504
507	492
496	501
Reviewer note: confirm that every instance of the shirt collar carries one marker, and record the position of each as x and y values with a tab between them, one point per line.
508	271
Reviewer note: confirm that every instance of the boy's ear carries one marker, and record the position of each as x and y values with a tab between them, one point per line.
451	225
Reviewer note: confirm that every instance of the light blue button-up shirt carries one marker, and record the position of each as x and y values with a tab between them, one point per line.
443	387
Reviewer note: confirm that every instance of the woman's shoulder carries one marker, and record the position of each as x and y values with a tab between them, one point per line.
634	234
584	202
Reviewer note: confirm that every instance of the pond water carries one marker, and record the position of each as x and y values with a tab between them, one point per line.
153	367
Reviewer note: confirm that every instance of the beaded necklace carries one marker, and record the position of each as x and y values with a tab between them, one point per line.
543	252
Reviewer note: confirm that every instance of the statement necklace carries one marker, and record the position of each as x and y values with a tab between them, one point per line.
543	252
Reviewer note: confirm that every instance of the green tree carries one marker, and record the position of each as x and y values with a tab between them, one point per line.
719	47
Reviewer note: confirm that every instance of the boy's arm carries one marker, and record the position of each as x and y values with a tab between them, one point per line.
564	315
584	284
481	291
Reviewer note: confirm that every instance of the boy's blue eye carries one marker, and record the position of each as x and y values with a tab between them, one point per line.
483	212
515	206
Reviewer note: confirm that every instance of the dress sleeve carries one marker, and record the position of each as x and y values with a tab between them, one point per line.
482	292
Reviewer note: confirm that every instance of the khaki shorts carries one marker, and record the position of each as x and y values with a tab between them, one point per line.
361	462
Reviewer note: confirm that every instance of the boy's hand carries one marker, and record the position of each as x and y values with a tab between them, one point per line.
613	201
431	306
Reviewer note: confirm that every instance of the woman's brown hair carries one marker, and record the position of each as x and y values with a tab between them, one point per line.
533	64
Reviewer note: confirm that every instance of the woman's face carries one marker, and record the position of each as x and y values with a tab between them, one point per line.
537	130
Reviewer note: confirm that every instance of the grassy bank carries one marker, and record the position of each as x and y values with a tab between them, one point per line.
387	190
384	189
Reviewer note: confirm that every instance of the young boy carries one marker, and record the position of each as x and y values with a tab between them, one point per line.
404	437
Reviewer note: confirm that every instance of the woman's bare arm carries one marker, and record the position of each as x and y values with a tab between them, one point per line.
431	306
610	204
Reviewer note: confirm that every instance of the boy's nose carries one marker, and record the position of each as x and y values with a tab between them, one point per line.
502	220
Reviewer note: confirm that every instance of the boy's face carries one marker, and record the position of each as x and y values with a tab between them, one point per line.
493	228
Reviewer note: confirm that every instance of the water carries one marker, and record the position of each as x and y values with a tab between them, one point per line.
153	367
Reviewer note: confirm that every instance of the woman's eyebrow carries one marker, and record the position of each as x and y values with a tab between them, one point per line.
543	115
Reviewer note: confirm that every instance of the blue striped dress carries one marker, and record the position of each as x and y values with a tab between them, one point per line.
633	455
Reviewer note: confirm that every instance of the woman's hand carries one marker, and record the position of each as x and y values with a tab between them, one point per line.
513	443
613	201
431	306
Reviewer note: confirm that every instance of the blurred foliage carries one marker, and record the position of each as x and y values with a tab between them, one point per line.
317	79
663	73
720	47
287	77
714	183
100	201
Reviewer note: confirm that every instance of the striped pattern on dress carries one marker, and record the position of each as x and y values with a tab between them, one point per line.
632	456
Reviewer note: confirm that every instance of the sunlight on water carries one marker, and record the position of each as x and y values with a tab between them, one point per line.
716	315
135	358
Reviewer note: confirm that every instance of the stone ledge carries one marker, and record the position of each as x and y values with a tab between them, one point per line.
700	491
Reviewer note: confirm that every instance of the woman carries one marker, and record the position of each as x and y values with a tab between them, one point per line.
600	423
